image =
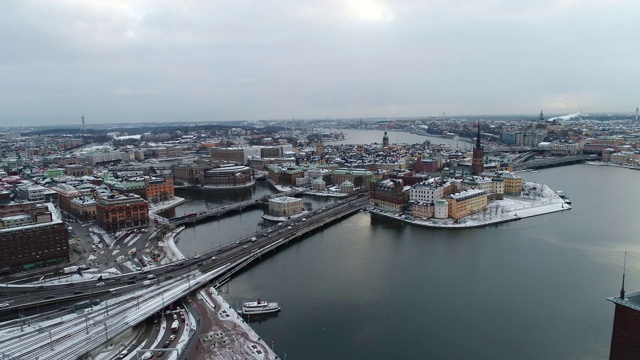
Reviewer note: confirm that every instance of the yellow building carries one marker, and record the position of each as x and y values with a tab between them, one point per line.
466	203
512	184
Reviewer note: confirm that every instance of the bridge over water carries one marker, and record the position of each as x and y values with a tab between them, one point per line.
553	162
77	335
221	210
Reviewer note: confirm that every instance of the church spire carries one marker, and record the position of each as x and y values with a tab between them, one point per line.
541	117
477	162
385	138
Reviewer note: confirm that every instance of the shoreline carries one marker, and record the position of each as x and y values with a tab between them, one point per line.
516	209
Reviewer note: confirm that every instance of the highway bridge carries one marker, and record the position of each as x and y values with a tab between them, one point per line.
222	210
129	299
552	162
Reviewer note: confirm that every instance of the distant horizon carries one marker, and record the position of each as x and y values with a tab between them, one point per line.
148	61
89	124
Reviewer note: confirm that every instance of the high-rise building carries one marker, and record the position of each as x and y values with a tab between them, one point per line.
477	162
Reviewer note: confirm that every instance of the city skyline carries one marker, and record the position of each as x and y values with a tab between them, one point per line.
149	61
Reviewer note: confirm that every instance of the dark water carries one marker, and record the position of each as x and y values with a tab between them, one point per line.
369	288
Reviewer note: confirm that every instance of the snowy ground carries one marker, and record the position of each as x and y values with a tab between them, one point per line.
498	211
326	193
155	208
252	345
169	247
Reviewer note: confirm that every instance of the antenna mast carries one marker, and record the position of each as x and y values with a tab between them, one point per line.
624	270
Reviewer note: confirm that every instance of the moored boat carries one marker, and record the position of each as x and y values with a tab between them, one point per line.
563	196
258	307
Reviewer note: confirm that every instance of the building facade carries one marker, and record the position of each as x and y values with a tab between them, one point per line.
159	189
285	206
230	155
285	174
360	178
390	195
228	176
32	235
119	212
65	194
466	203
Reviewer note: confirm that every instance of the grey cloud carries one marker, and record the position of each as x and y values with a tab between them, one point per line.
221	60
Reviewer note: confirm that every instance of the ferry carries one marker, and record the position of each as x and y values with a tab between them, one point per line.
258	307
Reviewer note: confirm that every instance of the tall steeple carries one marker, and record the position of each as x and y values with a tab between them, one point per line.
624	268
477	162
319	145
385	139
541	118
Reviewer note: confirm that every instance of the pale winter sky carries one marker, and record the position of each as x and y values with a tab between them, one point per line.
208	60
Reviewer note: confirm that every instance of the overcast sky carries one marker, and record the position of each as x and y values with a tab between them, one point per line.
140	61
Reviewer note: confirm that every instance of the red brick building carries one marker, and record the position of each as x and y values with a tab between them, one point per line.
115	213
477	162
426	165
625	338
159	189
390	195
66	193
32	235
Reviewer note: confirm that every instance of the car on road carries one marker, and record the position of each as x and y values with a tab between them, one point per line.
166	344
159	353
100	284
3	305
172	337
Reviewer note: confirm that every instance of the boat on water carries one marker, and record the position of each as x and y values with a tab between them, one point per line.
563	196
258	307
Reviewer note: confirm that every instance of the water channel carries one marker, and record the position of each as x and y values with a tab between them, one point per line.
371	288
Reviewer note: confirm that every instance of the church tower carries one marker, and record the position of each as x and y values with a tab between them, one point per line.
541	118
385	139
319	146
477	163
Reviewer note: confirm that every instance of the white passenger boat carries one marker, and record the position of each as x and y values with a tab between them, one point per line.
258	307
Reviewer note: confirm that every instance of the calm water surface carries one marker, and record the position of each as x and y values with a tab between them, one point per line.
370	288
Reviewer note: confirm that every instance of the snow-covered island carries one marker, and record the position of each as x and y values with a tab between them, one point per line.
510	208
